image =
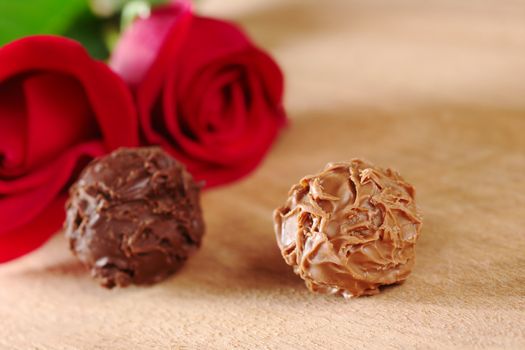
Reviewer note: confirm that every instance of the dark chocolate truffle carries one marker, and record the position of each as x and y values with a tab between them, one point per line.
134	216
350	229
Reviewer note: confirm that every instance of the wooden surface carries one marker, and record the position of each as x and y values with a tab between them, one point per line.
436	91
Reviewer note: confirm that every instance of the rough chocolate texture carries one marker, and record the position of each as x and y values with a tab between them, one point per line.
350	229
134	217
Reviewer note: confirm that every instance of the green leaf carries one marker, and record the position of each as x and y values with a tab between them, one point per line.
90	31
19	18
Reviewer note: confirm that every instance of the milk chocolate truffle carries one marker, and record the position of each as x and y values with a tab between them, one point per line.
350	229
134	217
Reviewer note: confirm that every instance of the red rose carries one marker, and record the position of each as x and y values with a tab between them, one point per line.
204	91
58	108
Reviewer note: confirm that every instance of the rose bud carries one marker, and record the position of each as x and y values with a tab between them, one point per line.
58	109
204	91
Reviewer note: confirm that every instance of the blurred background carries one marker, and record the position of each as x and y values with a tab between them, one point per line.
469	52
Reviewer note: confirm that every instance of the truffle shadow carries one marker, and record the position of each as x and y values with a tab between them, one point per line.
70	268
239	268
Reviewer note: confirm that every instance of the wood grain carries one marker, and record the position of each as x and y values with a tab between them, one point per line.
435	91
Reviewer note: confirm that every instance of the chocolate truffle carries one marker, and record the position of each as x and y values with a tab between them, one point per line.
350	229
134	216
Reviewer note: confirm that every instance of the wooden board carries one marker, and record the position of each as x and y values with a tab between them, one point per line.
435	91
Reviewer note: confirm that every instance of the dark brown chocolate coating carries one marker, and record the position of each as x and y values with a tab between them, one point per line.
134	216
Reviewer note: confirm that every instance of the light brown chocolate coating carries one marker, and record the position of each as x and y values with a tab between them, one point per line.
350	229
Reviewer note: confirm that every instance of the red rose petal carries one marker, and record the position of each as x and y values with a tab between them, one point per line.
73	109
23	239
58	116
19	209
12	132
228	153
109	97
